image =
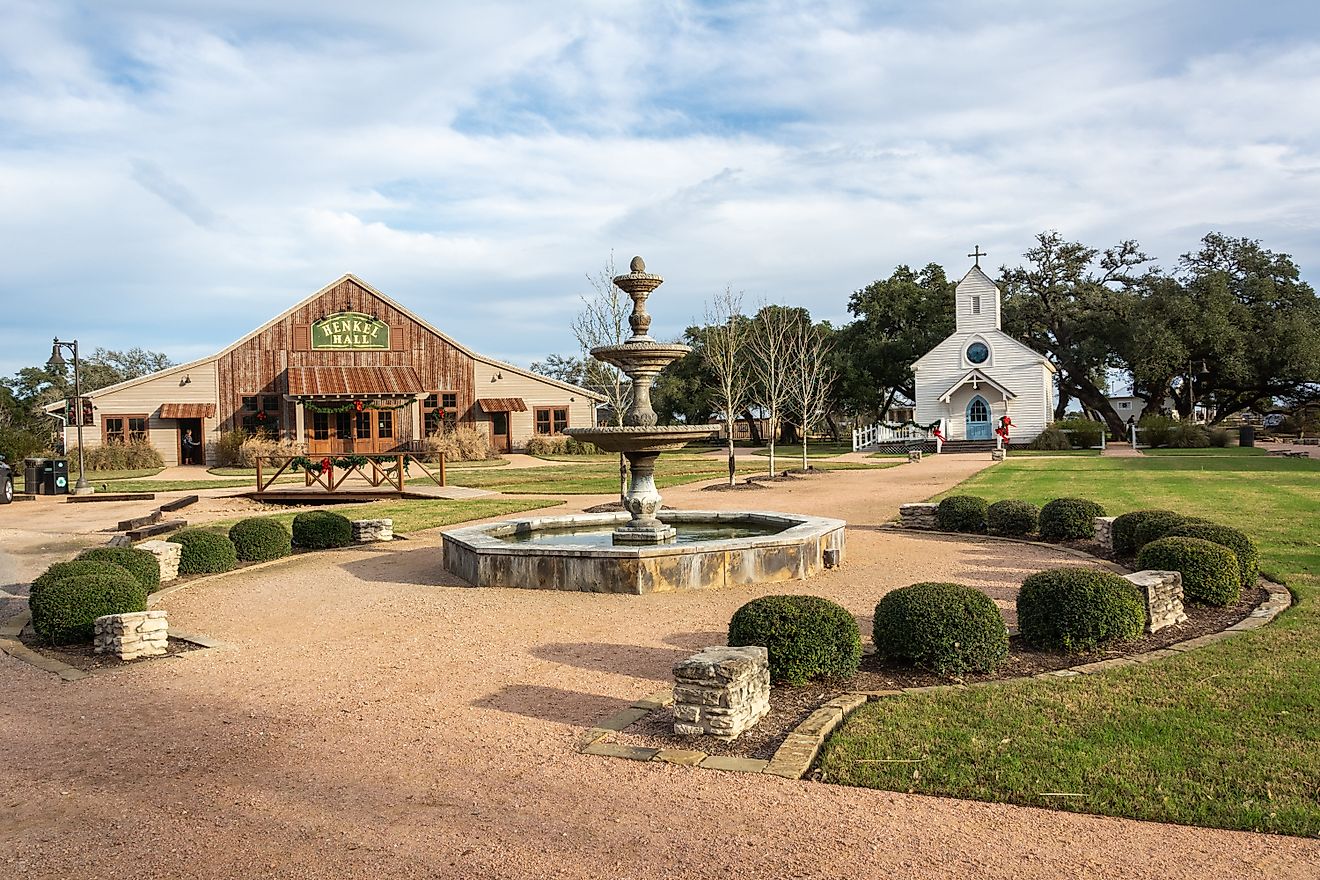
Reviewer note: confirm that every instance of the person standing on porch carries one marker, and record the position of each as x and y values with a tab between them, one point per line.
191	449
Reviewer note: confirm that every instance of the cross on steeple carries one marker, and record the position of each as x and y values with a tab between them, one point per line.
978	254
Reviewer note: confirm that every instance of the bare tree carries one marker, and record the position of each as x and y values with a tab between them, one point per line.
812	378
770	344
603	320
724	350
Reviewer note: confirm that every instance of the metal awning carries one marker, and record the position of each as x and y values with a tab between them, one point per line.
187	410
976	379
502	404
353	381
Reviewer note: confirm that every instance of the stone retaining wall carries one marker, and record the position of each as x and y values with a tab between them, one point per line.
918	515
721	692
1104	532
167	555
132	635
369	531
1163	592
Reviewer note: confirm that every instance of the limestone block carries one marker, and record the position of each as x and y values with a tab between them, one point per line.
132	635
914	455
370	531
721	691
997	455
167	555
1163	593
918	516
1104	532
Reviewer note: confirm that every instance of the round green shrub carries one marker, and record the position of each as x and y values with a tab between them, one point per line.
142	564
260	538
1012	518
947	628
58	571
321	530
1226	536
64	611
1067	519
1210	572
1125	529
1152	528
204	552
1077	609
806	636
1052	439
962	513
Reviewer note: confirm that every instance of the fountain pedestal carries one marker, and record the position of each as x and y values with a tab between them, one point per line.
643	503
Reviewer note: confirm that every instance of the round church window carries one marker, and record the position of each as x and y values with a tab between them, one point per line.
977	353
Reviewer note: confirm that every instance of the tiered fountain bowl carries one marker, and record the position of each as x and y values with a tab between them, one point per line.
645	548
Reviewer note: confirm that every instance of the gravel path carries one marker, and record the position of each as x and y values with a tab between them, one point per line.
370	717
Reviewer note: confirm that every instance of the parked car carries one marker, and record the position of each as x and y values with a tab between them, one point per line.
6	481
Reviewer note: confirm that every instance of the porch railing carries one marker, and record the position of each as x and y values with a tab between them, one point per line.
383	469
873	435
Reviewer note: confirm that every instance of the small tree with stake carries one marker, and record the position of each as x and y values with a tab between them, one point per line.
770	344
811	378
604	321
724	348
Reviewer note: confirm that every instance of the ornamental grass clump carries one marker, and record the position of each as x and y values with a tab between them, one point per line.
962	513
1078	609
1069	519
260	538
1012	518
142	564
1225	536
64	611
947	628
806	636
1210	572
322	530
204	552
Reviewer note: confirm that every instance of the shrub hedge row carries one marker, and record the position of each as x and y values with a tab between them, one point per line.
141	564
321	530
962	513
204	552
1067	519
1078	609
64	609
260	538
1210	572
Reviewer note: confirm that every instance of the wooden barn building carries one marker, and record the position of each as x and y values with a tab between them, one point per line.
347	370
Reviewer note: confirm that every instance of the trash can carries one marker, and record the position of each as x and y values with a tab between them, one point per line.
32	471
56	476
1247	435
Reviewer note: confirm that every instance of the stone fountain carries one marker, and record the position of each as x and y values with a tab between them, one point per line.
640	438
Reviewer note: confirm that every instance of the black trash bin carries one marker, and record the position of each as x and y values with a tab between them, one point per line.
1247	435
32	471
56	477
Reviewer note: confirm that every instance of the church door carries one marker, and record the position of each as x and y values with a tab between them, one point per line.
978	419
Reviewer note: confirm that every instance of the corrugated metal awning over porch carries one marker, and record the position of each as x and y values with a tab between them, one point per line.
502	404
187	410
352	381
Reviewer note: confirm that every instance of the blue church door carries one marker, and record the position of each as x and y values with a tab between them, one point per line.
978	419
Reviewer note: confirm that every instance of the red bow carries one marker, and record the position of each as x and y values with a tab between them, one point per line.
358	405
326	464
938	435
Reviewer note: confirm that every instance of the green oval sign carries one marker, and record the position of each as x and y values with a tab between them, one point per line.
350	331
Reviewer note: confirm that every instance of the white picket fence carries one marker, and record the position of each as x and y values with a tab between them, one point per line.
873	435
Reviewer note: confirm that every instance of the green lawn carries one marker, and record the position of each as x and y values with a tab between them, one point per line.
1225	736
414	515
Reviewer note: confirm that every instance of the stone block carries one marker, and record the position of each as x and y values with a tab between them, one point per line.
997	454
167	555
1163	593
133	635
371	531
1104	532
919	515
914	455
721	691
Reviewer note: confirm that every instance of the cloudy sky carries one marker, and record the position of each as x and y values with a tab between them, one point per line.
174	173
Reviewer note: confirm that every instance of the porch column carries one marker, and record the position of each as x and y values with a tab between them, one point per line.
415	413
299	422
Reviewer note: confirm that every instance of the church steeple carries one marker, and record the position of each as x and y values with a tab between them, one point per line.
976	299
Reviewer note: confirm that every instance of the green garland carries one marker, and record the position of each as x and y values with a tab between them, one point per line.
317	466
352	406
894	426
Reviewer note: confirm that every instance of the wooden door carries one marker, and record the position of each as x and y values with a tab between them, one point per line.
499	432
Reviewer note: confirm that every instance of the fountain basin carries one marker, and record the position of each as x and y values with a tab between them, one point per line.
641	438
542	554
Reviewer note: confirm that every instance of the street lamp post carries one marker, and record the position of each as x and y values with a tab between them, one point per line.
57	360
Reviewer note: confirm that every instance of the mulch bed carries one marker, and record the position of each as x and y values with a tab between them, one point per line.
84	657
790	706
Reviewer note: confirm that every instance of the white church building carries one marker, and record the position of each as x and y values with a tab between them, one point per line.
980	374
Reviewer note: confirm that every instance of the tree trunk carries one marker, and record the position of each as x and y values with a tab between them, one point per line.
1097	402
1062	406
753	430
833	427
733	467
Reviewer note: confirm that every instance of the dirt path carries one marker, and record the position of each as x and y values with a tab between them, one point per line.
369	716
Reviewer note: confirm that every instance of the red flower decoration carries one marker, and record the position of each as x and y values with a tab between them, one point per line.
358	405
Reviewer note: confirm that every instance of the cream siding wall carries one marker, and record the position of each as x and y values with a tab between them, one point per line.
534	392
147	397
976	284
1011	364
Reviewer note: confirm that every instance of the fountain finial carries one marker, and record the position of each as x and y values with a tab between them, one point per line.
637	265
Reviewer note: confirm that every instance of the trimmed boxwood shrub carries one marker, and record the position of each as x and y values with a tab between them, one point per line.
962	513
204	552
1210	572
142	564
65	610
58	571
1125	529
1226	536
260	538
1011	517
1152	528
1067	519
1077	609
947	628
806	636
321	529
